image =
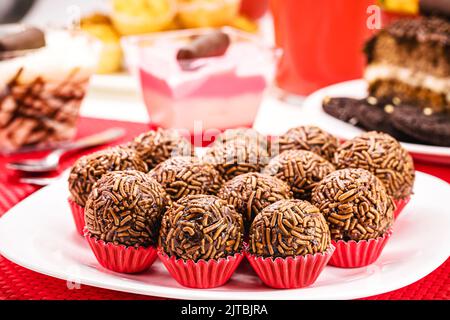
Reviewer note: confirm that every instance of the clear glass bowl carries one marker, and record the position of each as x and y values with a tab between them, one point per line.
41	89
216	93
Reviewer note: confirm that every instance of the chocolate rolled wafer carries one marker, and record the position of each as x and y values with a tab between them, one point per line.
209	45
435	7
30	38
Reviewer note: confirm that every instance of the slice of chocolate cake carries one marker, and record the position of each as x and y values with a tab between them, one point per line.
410	60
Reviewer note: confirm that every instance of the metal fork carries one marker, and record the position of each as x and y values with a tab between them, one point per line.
51	161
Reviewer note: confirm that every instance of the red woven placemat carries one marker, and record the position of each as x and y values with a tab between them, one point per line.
19	283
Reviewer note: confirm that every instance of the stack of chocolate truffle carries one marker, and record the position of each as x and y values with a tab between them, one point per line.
291	205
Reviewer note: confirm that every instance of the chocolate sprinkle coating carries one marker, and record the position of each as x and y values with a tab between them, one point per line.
88	169
201	227
236	157
245	135
310	138
250	193
289	228
355	205
301	170
126	207
421	29
156	146
182	176
383	156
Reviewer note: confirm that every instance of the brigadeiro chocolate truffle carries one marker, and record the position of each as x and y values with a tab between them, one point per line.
383	156
289	244
300	169
289	228
355	204
201	241
247	135
251	192
182	176
237	157
156	146
359	213
123	215
88	169
126	207
310	138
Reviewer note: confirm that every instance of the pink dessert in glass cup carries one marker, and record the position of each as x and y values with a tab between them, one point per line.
198	94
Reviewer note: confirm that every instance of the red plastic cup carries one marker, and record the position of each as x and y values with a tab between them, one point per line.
78	215
201	274
290	272
353	254
120	258
322	42
254	9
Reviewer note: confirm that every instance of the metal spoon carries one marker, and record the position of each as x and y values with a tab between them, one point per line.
39	181
51	161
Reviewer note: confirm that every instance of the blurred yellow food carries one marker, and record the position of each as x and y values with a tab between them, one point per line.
142	16
400	6
244	23
207	13
100	27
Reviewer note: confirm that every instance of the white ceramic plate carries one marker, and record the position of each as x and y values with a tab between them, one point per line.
39	234
358	89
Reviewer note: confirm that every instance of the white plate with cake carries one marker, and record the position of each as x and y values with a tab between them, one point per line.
405	91
357	89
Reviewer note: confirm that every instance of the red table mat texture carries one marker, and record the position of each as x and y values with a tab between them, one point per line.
17	282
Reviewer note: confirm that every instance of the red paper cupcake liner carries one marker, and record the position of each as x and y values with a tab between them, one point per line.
290	272
120	258
201	274
400	205
78	215
352	254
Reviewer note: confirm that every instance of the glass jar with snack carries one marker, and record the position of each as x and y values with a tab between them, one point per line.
43	79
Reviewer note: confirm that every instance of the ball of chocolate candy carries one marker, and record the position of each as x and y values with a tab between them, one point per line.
201	227
126	207
88	169
250	193
289	228
237	157
300	169
309	138
355	204
247	135
156	146
182	176
383	156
